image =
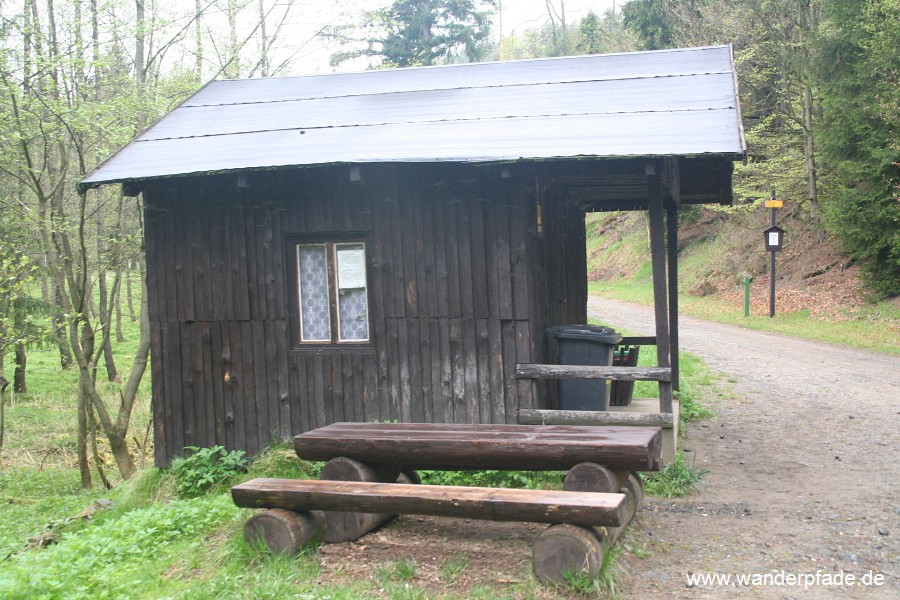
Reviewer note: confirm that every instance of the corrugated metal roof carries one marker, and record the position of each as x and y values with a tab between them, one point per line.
660	103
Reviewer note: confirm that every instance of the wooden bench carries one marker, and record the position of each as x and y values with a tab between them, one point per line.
371	475
492	504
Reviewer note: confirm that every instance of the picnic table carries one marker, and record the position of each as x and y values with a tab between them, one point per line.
371	475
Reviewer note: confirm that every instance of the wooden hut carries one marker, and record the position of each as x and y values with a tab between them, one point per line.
390	245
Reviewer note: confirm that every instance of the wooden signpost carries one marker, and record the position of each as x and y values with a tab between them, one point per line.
774	237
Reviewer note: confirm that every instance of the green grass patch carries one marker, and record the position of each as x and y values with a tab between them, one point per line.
35	501
109	559
605	584
535	480
675	480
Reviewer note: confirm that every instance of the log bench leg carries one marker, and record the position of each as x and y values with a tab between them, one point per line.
285	531
350	526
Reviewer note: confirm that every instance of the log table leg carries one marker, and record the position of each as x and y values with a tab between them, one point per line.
591	477
284	531
567	550
636	485
349	526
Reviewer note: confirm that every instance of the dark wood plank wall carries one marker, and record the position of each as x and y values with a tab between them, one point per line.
461	289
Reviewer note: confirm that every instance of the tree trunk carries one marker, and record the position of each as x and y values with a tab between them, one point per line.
233	70
20	385
111	373
139	67
84	465
130	296
3	384
59	327
98	461
809	151
263	42
198	50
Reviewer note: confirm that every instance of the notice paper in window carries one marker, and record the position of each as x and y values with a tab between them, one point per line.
351	265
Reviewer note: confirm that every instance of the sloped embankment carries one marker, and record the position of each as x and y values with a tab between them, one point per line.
718	247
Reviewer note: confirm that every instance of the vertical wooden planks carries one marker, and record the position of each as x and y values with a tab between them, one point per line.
336	397
470	362
238	244
495	356
450	211
229	382
219	272
183	263
437	212
403	360
415	387
269	384
217	370
174	392
200	271
188	391
154	258
247	398
477	246
510	383
169	255
426	369
503	258
206	399
523	355
407	245
161	424
392	343
282	377
464	258
518	235
458	370
483	360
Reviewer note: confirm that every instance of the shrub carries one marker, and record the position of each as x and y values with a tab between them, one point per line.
197	472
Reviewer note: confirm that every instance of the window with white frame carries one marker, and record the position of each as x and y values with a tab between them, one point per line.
334	307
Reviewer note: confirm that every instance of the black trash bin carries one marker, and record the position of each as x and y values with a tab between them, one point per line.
584	345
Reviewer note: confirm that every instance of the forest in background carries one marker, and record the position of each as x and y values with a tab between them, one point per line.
79	78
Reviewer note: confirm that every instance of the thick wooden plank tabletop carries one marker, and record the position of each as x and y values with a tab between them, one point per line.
539	506
455	446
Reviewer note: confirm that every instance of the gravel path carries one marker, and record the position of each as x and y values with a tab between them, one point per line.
802	471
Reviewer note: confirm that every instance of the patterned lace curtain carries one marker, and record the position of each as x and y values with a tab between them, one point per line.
315	312
353	309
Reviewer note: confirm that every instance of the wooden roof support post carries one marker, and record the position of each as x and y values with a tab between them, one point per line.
672	231
660	291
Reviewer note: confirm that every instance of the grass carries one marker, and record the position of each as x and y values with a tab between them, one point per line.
677	479
875	328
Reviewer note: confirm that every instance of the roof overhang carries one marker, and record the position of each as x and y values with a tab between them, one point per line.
670	103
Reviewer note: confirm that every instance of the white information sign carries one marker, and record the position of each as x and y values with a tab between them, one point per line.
773	238
351	265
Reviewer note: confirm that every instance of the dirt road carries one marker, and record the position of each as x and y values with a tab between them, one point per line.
803	475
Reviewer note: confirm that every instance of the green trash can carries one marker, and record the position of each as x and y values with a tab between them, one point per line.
584	345
621	392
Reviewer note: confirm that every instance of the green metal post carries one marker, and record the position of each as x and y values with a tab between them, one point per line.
747	281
